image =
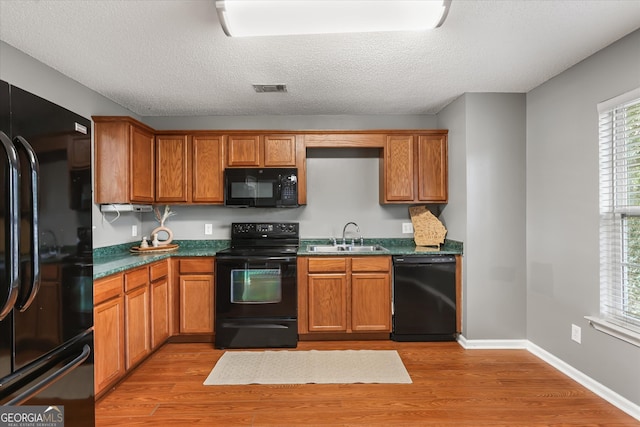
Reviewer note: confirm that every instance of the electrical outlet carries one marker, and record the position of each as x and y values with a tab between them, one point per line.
407	227
208	229
134	230
576	333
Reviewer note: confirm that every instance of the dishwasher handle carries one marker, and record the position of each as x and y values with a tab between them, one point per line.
429	259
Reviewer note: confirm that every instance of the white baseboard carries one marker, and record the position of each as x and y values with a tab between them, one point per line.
604	392
492	344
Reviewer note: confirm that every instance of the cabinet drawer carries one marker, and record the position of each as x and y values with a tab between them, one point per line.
320	265
158	270
371	263
107	288
136	278
196	265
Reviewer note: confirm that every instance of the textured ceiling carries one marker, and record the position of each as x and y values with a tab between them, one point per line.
171	58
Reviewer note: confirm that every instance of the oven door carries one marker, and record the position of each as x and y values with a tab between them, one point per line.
256	287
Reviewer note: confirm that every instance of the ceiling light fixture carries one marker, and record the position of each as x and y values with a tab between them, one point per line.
246	18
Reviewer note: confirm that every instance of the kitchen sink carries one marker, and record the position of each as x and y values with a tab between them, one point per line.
345	248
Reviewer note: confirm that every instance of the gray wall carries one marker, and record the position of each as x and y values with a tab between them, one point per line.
342	186
562	215
487	159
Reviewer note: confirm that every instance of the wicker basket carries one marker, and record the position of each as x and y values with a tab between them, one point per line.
427	229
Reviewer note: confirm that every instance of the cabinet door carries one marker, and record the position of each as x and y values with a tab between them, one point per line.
432	168
398	169
171	168
159	312
111	162
196	303
370	302
243	150
108	342
208	169
142	165
280	150
327	305
136	325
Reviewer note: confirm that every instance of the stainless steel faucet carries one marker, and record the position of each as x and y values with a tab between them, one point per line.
344	230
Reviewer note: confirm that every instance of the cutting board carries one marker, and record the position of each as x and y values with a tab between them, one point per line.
427	229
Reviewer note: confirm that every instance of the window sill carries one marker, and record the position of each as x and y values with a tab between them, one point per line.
614	330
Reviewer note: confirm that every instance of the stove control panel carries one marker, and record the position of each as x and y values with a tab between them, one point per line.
264	229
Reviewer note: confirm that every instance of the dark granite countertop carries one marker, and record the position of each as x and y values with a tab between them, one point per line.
116	259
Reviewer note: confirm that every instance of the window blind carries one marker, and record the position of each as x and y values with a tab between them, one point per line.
619	135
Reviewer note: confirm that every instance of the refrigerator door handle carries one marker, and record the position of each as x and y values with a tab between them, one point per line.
12	224
34	172
59	374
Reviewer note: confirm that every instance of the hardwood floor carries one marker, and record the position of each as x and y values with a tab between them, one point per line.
451	386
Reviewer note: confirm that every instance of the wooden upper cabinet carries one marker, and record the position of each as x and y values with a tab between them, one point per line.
172	168
261	151
142	165
124	160
415	168
189	168
398	185
208	169
243	150
279	150
432	168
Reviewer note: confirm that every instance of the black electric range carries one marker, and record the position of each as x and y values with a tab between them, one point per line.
256	287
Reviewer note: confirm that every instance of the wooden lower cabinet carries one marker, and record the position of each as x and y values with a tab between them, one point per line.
370	302
108	319
344	294
131	318
137	320
196	295
327	302
159	294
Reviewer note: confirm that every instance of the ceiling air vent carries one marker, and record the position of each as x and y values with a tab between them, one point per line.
270	88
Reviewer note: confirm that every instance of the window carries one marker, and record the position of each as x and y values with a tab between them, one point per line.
619	133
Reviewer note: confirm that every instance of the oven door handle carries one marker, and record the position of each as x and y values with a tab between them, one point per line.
252	260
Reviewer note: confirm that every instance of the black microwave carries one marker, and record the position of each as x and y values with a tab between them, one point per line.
261	187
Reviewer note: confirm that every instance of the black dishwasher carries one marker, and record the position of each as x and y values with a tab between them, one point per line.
424	298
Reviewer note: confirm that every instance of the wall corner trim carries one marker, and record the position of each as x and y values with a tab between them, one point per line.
604	392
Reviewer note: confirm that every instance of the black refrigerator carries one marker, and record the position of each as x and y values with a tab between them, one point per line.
46	262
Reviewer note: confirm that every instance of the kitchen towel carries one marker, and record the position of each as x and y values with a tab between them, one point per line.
309	367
